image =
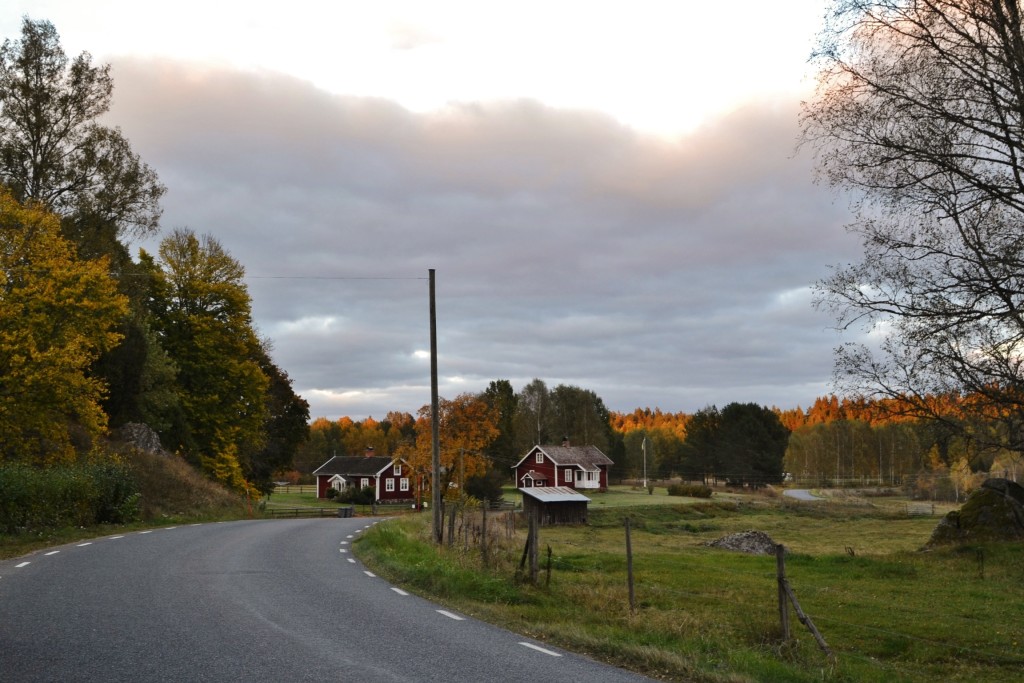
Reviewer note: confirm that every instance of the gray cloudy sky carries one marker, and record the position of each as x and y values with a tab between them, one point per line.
645	230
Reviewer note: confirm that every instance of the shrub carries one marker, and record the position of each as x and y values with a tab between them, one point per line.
84	494
354	496
690	490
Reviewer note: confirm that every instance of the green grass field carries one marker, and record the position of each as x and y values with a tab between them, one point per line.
888	611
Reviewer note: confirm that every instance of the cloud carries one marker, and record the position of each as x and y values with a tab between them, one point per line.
657	272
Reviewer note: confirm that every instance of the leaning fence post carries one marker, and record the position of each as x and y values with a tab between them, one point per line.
786	592
780	578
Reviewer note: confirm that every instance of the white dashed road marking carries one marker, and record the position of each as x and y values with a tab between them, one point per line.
456	617
82	545
399	591
23	564
540	649
52	552
370	574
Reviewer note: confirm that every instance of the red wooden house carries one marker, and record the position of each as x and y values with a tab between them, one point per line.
390	478
576	467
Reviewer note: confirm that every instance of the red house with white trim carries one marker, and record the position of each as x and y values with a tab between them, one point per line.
576	467
390	478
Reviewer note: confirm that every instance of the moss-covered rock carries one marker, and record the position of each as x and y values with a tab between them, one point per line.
995	512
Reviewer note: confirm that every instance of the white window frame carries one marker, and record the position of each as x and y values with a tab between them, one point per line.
539	458
398	469
389	485
364	483
568	476
403	484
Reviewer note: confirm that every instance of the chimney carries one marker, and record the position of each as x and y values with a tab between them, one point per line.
369	451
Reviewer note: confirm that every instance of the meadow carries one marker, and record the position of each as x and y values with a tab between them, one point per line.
888	610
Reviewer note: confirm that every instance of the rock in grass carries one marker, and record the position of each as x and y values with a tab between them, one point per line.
995	512
752	542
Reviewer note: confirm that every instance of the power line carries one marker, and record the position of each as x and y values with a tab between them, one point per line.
326	277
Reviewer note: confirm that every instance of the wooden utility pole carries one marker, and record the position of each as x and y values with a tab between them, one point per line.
435	438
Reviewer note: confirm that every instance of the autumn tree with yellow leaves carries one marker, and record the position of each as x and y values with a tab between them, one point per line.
57	314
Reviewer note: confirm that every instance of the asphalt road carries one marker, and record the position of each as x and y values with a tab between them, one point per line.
800	494
262	600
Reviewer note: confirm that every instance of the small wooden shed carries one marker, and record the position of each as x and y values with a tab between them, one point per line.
555	505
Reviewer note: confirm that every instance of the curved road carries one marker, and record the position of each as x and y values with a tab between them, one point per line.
242	601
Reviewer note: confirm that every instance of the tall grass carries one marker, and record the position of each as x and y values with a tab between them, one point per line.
888	611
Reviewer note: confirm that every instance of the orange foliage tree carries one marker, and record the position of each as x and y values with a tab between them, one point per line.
467	425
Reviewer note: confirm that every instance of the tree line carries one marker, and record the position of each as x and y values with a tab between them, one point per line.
484	434
834	442
92	339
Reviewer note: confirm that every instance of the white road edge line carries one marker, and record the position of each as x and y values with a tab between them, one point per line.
370	574
114	538
399	591
52	552
448	614
23	564
146	532
351	560
540	649
82	545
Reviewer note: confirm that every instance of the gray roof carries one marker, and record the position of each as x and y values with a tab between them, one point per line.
554	494
355	465
586	457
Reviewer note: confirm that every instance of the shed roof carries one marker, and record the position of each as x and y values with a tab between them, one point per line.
554	494
358	465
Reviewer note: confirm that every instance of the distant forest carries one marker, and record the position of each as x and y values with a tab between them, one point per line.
834	442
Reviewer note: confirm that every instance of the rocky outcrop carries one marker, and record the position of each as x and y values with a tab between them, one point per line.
995	512
141	437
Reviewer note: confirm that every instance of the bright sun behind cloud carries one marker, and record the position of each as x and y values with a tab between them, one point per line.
658	66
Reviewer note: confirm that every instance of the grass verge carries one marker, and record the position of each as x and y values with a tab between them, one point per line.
170	492
888	611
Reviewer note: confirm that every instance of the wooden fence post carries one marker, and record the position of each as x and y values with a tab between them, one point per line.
785	591
534	545
483	534
629	568
547	578
780	577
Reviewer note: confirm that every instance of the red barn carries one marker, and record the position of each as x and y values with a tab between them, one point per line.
576	467
390	478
